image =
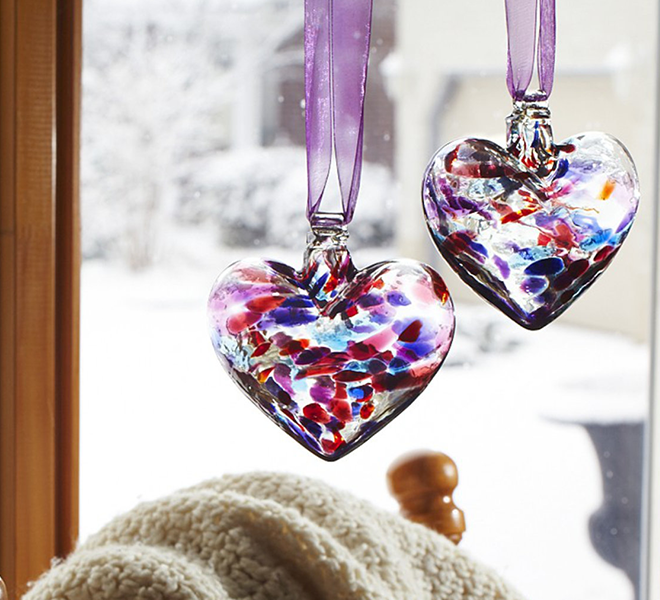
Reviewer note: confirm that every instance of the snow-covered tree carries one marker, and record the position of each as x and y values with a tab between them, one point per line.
174	121
160	84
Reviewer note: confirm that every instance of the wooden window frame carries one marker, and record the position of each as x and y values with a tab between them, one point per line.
40	67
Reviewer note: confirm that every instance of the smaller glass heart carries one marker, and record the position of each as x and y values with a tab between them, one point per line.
530	228
330	353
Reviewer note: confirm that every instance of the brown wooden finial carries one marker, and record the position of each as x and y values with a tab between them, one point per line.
423	483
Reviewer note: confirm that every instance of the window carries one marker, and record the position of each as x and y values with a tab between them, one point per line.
193	157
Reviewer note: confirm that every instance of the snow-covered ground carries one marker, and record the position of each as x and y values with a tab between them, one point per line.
158	413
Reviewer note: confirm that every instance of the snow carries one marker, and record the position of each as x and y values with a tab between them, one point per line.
158	413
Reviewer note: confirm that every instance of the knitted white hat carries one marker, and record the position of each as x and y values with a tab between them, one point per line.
266	536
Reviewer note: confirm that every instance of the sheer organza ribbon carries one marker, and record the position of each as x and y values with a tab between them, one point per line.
337	38
525	45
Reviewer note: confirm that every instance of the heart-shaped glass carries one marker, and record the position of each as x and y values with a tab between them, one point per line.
531	227
330	353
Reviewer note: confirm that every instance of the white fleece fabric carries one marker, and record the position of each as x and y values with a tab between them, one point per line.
266	536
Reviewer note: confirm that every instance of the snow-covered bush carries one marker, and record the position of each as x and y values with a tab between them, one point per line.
259	197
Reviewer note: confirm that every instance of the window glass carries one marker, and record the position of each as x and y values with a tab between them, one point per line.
193	157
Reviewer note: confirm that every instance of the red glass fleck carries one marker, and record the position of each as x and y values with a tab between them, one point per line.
331	446
241	321
261	349
351	311
544	239
411	333
342	410
294	347
316	413
367	410
264	303
340	392
256	339
263	375
516	215
604	253
351	376
362	351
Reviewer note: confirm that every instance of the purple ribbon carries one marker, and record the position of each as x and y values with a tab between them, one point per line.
337	37
521	21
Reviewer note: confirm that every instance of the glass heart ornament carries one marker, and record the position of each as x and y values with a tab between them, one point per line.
531	226
331	353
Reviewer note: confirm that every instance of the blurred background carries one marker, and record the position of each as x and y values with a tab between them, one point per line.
193	157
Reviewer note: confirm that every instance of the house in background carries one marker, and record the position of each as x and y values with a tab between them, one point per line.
448	81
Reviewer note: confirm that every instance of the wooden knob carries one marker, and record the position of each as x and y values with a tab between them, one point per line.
423	484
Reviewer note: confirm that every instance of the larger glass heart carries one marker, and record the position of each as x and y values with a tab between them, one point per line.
330	353
531	227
